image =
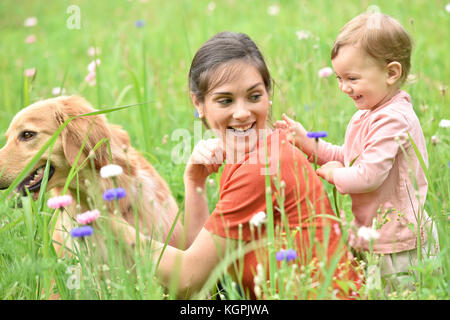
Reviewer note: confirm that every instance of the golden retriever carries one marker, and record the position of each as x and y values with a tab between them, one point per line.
147	192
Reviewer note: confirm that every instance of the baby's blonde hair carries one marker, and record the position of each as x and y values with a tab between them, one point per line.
380	36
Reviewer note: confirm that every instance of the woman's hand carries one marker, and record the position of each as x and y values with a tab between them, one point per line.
327	170
207	157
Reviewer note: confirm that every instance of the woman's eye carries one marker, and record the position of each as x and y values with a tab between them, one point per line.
224	101
255	97
352	79
27	135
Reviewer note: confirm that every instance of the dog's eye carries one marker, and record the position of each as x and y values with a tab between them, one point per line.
27	135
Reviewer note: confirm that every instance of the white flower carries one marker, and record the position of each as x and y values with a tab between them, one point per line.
111	170
30	22
368	234
211	6
444	123
258	219
273	10
303	34
447	7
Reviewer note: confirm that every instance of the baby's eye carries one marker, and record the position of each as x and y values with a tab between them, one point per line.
26	135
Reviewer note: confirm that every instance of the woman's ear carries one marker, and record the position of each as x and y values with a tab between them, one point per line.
198	106
394	72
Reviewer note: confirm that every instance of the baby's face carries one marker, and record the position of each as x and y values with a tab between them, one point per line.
362	78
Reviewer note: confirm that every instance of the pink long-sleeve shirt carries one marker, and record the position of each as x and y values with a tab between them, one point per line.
386	177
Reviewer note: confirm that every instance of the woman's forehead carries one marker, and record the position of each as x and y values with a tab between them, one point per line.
234	75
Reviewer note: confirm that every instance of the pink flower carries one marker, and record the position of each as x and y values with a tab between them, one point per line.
93	51
325	72
59	201
30	22
90	78
56	91
88	216
93	65
337	229
29	73
30	39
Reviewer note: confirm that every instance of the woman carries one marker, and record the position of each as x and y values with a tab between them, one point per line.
230	87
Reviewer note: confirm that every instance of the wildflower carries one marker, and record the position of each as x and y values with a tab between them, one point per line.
112	194
435	140
325	72
30	39
59	201
211	7
444	123
93	65
368	234
82	232
29	73
90	79
139	23
30	22
110	170
258	219
447	7
94	51
317	134
88	216
211	182
303	34
273	10
56	91
287	255
337	229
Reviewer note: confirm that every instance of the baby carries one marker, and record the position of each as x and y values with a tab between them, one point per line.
377	165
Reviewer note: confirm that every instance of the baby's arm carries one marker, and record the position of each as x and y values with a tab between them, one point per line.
381	146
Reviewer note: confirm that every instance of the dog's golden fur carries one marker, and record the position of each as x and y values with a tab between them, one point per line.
146	191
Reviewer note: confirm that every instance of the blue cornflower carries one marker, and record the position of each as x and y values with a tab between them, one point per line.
139	23
196	114
112	194
82	231
317	134
287	255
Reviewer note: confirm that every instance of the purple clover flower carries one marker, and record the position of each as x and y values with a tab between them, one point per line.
317	134
82	232
139	23
112	194
286	255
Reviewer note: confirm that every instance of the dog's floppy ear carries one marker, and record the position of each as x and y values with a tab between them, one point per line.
91	129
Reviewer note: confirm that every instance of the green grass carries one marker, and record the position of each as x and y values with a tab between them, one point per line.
151	64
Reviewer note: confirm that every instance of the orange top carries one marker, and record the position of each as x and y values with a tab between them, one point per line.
243	194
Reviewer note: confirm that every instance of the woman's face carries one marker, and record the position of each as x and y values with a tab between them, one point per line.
237	109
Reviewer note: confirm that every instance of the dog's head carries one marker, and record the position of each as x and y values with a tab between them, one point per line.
33	126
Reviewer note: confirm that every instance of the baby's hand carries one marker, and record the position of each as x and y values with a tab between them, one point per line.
327	170
296	134
295	129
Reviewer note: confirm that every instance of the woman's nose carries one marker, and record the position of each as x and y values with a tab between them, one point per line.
241	112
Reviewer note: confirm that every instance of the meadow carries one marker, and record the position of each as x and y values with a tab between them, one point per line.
145	49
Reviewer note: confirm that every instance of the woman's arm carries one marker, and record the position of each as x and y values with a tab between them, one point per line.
190	268
206	158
